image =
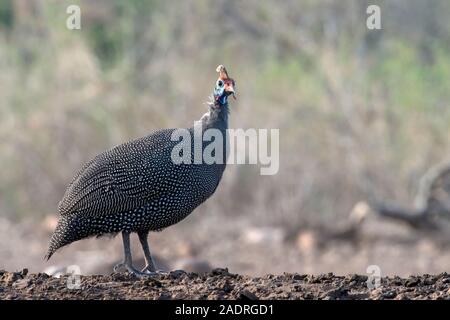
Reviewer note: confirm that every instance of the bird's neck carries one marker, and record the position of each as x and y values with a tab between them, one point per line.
217	116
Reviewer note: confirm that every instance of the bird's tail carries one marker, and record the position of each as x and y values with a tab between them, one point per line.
62	236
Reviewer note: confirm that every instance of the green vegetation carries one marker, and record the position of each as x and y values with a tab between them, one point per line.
361	113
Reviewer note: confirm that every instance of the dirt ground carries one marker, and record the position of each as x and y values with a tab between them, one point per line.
209	241
263	263
220	284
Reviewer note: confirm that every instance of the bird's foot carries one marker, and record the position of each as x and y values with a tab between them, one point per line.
129	267
149	268
118	266
151	271
162	272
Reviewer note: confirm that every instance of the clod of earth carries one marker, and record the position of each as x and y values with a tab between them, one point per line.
221	284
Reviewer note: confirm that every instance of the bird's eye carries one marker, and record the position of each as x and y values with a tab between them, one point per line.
220	83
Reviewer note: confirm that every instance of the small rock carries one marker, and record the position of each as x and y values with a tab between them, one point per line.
299	276
153	283
313	279
297	288
177	274
308	296
21	284
164	296
429	281
227	287
411	283
376	292
43	275
335	294
247	295
117	276
193	275
445	280
389	295
220	272
356	278
179	296
11	277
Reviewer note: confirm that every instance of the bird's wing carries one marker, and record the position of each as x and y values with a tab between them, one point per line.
120	179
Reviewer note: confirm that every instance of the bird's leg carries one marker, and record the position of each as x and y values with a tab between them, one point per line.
128	262
149	263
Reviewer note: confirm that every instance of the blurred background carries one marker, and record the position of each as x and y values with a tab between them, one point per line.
363	114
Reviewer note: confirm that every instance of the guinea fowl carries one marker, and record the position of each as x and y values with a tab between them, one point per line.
136	187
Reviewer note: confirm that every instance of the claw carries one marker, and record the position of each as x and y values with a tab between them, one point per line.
130	269
152	272
162	272
148	269
118	266
136	272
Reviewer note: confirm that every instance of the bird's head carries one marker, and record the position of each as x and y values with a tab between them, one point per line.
225	86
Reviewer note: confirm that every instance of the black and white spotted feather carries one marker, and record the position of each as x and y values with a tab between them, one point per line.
137	187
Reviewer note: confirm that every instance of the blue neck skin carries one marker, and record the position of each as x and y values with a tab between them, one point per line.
223	100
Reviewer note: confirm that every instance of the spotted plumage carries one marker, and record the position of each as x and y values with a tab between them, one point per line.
136	187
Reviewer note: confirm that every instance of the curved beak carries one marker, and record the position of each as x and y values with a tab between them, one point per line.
230	90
